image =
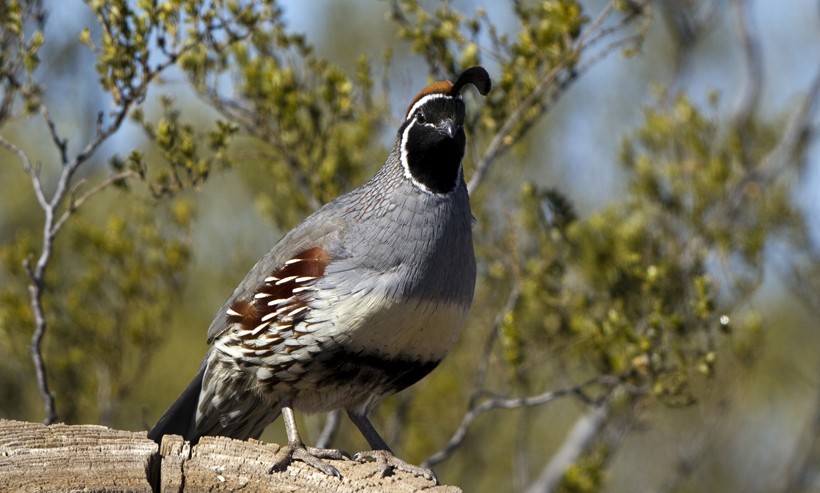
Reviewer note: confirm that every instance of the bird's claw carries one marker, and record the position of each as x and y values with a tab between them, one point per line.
311	456
389	462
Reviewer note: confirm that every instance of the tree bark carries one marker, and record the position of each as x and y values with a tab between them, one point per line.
90	458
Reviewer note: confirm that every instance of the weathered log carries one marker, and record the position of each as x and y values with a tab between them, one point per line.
63	458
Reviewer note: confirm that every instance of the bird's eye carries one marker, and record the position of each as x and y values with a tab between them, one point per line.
421	118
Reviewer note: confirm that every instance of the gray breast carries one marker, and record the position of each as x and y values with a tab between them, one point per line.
410	244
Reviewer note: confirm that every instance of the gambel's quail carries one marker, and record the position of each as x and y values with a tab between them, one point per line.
361	300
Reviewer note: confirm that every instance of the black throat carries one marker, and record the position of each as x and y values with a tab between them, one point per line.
434	159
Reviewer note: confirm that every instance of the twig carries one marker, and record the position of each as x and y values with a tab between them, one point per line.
75	204
688	22
61	143
779	157
591	33
131	94
749	95
51	227
32	172
582	435
331	427
36	274
501	140
492	337
515	403
498	144
796	128
35	289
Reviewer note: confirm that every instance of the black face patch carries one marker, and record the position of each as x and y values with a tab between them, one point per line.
434	143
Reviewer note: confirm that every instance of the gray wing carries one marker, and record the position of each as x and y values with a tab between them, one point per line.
319	230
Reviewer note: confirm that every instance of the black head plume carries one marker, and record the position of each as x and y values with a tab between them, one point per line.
476	76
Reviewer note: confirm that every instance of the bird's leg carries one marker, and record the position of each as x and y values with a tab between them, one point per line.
296	449
381	453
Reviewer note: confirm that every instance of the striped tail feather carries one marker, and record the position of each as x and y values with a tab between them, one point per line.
207	410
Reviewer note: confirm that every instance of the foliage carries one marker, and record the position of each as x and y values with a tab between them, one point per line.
542	56
122	271
634	285
135	44
178	143
310	129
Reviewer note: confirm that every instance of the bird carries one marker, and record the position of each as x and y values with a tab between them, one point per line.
360	300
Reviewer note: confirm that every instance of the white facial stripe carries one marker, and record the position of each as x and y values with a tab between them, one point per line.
406	165
427	98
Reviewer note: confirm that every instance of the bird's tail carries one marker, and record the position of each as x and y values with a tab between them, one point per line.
219	404
180	418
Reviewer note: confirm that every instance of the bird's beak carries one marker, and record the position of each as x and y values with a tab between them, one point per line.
448	128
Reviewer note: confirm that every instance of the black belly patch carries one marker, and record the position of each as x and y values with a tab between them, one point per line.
383	374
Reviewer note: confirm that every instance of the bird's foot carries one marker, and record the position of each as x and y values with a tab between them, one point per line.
311	456
390	462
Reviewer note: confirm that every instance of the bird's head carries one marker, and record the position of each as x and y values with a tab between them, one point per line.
432	138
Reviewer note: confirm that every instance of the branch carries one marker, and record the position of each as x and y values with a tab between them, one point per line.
504	138
688	22
32	172
492	337
579	440
36	273
749	96
76	203
35	290
499	142
51	224
331	427
62	144
796	129
776	161
36	285
517	403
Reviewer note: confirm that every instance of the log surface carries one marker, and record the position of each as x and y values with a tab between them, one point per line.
89	458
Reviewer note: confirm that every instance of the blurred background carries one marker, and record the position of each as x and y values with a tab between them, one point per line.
648	233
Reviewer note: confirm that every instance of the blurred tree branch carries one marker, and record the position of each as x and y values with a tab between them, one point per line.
312	125
553	59
491	403
584	433
126	73
36	275
751	84
549	89
688	21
